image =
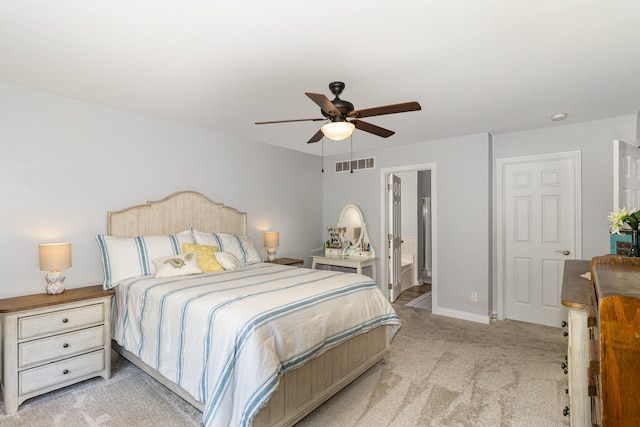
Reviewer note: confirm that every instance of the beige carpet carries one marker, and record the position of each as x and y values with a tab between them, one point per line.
448	372
442	372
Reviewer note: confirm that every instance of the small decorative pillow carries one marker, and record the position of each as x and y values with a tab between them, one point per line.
206	256
228	261
177	265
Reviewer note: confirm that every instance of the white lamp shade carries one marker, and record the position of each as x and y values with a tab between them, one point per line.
54	256
337	131
271	239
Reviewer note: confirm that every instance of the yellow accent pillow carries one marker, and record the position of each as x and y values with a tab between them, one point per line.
206	258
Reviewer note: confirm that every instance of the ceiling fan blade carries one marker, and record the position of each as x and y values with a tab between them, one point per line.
376	130
317	137
324	103
386	109
294	120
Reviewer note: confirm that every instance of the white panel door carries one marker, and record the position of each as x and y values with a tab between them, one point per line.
538	229
395	237
626	175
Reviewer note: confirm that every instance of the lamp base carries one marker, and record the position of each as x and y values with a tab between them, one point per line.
271	254
55	282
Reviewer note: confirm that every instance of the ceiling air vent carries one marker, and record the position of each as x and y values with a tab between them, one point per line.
349	165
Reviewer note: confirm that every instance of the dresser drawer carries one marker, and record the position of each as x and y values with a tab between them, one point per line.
60	346
59	321
53	374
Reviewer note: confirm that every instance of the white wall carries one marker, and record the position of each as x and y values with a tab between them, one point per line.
594	140
465	208
65	163
463	212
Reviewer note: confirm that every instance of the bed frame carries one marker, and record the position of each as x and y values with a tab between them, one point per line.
301	390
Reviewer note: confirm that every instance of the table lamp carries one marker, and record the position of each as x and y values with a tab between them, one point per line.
271	241
55	257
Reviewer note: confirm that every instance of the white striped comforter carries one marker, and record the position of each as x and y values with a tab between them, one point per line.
227	337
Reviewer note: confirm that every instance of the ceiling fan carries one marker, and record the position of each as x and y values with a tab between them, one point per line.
343	118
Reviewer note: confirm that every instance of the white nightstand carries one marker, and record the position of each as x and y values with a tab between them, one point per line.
52	341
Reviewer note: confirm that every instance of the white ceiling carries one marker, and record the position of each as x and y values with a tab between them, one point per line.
474	66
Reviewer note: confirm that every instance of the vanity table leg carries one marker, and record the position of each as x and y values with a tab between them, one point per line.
373	271
313	264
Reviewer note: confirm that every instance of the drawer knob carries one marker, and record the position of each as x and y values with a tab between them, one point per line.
65	320
65	345
564	324
65	372
565	411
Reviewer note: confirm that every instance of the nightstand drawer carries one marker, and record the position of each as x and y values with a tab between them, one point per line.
59	321
61	372
60	346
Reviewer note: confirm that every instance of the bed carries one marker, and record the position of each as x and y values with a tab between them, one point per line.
292	381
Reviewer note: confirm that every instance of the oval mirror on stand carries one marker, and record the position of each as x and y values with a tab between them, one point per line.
351	222
353	237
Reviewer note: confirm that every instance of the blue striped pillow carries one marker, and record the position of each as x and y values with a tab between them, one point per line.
239	246
125	257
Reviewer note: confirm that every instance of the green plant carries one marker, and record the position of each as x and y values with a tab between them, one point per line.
624	216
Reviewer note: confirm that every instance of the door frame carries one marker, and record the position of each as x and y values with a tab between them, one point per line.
384	253
576	156
394	238
631	170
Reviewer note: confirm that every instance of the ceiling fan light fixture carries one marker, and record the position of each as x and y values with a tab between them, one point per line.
338	111
337	131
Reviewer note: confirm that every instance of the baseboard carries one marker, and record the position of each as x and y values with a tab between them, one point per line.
463	315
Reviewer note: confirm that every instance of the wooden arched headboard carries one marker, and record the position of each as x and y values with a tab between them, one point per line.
175	213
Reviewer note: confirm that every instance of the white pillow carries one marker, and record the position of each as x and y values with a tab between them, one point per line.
252	253
177	265
125	257
227	261
240	246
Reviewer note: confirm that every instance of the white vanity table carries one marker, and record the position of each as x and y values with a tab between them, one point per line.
345	261
353	249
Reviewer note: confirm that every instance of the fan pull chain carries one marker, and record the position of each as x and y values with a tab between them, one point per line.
322	144
351	159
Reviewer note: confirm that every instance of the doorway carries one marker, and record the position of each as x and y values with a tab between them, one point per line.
418	235
539	226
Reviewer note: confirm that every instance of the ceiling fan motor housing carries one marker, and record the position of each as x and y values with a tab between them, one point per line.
336	88
345	107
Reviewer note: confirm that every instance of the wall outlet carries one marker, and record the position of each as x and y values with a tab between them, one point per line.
474	297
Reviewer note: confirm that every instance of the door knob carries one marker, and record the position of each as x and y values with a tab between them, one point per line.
565	252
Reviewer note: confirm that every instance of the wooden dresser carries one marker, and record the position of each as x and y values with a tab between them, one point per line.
52	341
615	365
604	341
